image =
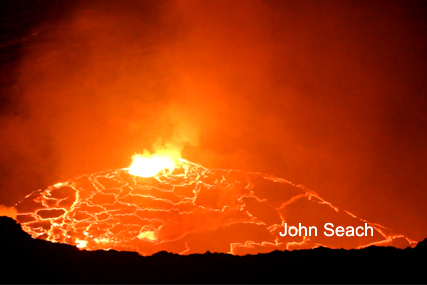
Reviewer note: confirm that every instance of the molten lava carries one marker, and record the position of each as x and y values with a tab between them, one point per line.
165	203
149	165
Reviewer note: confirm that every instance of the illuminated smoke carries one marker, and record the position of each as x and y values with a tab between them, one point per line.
324	94
8	211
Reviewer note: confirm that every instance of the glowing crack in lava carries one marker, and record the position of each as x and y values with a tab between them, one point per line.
182	207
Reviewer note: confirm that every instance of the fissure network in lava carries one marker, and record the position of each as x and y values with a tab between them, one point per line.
188	209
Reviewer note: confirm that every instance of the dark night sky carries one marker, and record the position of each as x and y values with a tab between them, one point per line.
329	94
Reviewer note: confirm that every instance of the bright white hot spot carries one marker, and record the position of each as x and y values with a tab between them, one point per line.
149	165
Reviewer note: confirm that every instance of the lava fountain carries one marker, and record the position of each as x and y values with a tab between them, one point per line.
163	202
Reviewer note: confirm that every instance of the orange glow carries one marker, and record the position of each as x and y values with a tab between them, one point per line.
323	93
188	209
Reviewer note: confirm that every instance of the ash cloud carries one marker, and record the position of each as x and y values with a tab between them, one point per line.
327	94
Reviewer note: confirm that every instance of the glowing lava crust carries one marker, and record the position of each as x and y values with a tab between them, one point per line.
184	208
